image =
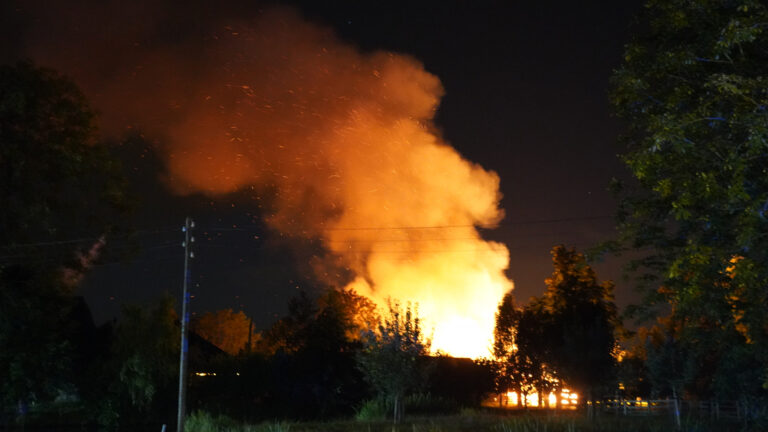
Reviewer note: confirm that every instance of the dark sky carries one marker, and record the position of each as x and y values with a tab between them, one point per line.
525	96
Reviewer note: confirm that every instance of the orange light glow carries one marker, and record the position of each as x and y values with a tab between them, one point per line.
552	399
347	142
343	146
568	398
534	398
438	283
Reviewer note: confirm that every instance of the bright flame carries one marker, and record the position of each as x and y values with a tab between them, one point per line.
341	143
568	398
454	293
552	398
532	399
457	335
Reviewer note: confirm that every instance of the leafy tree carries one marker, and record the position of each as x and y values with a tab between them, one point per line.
668	363
694	92
59	190
311	354
348	313
35	352
521	348
535	363
504	346
505	330
632	357
567	335
291	332
357	312
230	331
393	359
144	362
58	183
582	323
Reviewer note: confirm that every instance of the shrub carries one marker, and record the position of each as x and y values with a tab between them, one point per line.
201	421
417	404
373	410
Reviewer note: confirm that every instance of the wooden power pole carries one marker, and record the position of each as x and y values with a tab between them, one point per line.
188	253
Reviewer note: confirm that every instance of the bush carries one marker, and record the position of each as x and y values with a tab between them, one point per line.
417	404
373	410
426	404
273	427
201	421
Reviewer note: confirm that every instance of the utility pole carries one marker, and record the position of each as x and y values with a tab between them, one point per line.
188	253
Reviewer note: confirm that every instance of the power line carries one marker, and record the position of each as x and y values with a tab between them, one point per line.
121	243
111	248
87	239
506	224
424	227
449	239
53	243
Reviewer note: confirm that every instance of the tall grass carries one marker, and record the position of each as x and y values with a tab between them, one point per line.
200	421
414	405
472	421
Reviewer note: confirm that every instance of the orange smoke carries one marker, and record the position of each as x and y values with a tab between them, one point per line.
346	142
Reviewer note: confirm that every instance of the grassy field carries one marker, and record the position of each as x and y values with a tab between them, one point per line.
473	420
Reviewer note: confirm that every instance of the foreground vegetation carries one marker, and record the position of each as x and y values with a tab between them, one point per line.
476	421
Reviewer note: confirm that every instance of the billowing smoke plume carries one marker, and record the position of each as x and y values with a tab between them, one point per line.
344	140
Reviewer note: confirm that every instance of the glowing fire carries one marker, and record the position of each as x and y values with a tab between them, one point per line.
454	290
342	145
534	399
455	295
348	142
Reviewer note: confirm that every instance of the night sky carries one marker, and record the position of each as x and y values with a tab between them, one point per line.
525	96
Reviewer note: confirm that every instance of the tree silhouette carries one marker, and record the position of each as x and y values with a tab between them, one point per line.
393	359
60	193
582	325
692	89
230	331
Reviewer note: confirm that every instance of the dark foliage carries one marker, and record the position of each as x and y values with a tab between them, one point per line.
693	89
566	337
59	189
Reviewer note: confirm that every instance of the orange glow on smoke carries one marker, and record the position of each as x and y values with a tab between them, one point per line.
343	146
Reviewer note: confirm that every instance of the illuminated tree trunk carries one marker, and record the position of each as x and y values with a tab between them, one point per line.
398	410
